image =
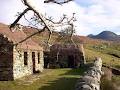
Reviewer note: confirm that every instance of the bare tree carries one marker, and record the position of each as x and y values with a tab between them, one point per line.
67	34
65	37
39	18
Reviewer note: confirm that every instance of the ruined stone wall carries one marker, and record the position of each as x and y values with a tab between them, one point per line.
82	54
19	69
6	59
40	66
6	69
91	79
64	51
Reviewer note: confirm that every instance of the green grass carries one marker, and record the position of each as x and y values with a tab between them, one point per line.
113	50
107	59
56	79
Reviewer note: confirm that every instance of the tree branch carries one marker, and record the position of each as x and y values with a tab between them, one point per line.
19	17
40	16
41	19
55	1
60	21
39	31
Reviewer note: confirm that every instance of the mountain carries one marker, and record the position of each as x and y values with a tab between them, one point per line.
106	35
90	35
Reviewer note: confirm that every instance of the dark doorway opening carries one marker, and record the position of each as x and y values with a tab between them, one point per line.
71	61
46	59
33	61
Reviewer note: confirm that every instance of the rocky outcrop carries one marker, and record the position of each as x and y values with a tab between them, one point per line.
91	79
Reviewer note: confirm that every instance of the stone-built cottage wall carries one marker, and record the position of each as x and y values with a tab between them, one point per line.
21	69
12	65
18	57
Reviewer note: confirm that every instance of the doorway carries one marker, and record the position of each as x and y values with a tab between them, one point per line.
70	61
46	59
33	61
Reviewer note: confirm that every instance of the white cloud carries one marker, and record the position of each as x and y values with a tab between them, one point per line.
8	10
103	14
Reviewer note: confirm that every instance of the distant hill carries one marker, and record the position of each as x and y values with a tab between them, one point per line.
41	38
106	35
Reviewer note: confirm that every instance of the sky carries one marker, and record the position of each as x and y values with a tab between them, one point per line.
93	16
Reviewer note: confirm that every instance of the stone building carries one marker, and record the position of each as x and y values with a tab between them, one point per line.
18	57
68	55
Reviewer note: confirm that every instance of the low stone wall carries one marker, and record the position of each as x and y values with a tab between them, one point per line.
91	79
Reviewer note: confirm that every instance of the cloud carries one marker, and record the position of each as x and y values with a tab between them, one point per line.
102	15
8	10
93	16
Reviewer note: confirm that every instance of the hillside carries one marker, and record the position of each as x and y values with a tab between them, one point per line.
106	48
41	38
106	35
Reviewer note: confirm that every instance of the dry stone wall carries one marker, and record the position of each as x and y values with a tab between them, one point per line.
91	79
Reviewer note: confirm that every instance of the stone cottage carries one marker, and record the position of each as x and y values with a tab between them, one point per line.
18	59
67	55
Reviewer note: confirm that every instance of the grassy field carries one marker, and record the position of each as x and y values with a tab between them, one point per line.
110	57
106	58
55	79
110	54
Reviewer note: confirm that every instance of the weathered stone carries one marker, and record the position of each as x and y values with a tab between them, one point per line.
91	79
20	70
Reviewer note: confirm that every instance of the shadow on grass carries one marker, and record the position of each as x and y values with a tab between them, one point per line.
66	81
60	84
74	72
79	71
